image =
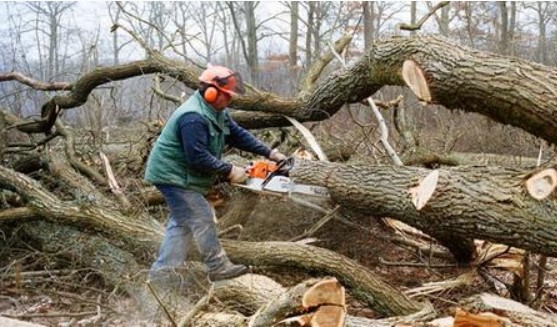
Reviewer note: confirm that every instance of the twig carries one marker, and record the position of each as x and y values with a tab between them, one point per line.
431	296
80	298
316	226
52	315
497	284
399	241
93	289
30	146
161	304
134	36
380	120
231	228
42	273
143	43
197	307
416	264
95	319
307	204
158	91
418	25
113	184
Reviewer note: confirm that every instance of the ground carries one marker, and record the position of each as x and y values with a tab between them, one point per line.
59	294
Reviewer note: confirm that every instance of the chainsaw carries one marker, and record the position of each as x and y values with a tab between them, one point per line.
267	176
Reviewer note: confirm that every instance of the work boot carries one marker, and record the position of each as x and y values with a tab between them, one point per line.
227	271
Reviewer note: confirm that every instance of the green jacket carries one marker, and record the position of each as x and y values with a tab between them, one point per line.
167	164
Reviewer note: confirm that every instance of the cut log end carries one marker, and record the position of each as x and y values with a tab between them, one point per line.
328	316
328	291
423	192
487	319
542	184
413	76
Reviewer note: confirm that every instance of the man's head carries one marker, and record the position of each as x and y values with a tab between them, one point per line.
218	84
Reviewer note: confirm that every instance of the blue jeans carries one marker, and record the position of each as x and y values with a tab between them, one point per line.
191	217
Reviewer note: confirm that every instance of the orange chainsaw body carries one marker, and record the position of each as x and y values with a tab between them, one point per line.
261	169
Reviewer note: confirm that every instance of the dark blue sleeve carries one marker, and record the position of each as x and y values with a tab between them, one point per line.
194	134
244	140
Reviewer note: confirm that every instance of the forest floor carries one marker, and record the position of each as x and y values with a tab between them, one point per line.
42	289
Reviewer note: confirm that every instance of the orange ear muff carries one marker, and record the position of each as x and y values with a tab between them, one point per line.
211	94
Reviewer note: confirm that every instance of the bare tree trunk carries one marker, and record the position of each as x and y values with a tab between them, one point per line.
543	19
50	13
512	28
481	202
53	48
504	35
309	33
316	29
115	44
413	16
253	59
443	21
293	45
369	27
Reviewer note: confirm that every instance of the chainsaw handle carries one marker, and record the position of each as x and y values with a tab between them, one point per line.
285	165
283	169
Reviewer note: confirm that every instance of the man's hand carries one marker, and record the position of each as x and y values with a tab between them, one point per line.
237	175
276	156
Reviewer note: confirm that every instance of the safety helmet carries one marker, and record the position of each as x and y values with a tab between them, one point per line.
224	79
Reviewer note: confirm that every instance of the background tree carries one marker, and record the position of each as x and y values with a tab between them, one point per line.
114	92
50	14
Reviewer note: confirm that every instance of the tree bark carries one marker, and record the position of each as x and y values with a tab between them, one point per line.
362	282
118	267
488	203
134	233
517	312
250	292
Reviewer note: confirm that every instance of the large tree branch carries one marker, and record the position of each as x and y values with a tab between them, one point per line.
489	203
37	85
363	283
137	232
508	90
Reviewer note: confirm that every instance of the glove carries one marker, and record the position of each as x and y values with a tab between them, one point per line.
276	156
237	175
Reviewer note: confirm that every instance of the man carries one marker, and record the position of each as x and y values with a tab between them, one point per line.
185	163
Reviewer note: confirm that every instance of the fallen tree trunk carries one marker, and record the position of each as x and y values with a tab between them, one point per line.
250	291
514	311
489	203
118	267
141	233
274	303
363	283
135	233
294	302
